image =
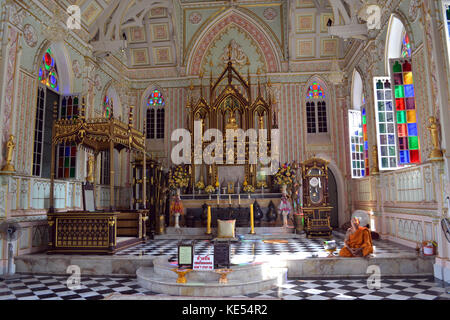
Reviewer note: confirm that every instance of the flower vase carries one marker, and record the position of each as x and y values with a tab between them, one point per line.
209	196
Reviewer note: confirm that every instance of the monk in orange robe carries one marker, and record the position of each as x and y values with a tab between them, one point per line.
358	241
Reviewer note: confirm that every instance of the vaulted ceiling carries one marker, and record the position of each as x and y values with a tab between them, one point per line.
149	29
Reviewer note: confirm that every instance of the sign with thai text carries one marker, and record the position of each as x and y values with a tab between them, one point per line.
203	262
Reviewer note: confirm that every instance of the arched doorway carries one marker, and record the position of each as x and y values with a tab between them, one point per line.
333	199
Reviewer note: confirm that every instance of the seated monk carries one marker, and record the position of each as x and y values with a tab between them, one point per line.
358	241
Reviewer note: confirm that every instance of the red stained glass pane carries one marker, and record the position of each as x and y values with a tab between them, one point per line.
414	156
401	130
400	104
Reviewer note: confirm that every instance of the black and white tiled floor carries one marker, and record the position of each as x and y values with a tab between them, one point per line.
39	287
294	246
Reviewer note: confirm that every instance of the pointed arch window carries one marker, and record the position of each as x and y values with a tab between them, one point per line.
316	109
406	46
48	72
108	106
155	115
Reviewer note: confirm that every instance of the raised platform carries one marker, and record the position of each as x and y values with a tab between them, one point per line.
199	233
302	257
245	279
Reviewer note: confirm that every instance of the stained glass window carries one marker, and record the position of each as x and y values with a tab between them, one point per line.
365	141
356	144
69	107
156	99
386	137
311	117
405	111
315	91
107	107
67	158
48	72
155	115
406	46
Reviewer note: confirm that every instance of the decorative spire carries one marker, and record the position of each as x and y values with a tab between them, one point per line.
130	118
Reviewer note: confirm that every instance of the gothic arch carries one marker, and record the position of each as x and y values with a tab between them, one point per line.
397	23
357	89
118	109
196	52
63	62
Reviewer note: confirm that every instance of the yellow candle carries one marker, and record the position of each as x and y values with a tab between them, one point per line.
208	221
252	222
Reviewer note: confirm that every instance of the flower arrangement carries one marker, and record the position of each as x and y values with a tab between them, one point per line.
209	189
285	175
200	185
178	178
261	184
249	188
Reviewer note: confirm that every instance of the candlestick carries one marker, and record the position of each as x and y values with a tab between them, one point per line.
229	198
239	199
217	198
252	222
208	221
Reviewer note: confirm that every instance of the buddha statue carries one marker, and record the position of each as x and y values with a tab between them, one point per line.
231	123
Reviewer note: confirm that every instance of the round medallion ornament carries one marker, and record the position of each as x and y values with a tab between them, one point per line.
195	18
29	34
270	14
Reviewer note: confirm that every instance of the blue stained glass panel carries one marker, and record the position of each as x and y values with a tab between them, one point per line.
409	90
412	129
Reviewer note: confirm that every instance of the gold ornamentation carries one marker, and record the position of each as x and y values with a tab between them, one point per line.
9	167
181	274
375	170
436	153
223	275
90	176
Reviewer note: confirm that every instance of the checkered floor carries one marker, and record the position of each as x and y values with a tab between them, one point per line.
296	246
37	287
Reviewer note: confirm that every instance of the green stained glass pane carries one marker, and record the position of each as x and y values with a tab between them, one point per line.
361	148
397	67
72	173
392	151
364	121
382	128
384	163
66	162
401	117
399	92
381	117
413	143
379	84
380	106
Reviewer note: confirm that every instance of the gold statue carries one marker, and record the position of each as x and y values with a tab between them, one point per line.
375	160
436	153
90	176
9	167
231	124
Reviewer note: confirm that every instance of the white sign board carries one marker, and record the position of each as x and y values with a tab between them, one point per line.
203	262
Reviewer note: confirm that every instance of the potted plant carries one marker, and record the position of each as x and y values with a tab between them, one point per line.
209	189
178	178
285	176
200	186
249	189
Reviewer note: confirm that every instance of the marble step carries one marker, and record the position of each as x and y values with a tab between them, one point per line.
148	279
243	272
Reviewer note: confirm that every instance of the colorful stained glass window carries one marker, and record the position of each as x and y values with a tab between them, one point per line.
156	99
356	144
107	107
67	158
69	107
405	112
315	91
48	72
385	119
365	141
155	115
406	46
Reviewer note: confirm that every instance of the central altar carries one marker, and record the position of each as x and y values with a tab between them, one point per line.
232	107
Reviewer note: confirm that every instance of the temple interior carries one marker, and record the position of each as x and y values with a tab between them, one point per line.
244	149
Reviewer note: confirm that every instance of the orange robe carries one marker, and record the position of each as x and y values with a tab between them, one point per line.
360	239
